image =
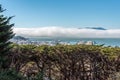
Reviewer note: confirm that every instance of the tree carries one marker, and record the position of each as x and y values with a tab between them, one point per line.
6	34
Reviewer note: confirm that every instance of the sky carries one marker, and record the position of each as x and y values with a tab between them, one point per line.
64	17
65	13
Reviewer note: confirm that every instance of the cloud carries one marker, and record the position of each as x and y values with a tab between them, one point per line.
67	32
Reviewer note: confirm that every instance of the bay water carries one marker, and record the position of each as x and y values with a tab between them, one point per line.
98	41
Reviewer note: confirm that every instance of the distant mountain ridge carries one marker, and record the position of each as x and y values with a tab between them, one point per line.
19	38
96	28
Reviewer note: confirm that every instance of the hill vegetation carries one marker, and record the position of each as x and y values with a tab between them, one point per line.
70	62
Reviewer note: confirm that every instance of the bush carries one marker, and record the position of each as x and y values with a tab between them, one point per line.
10	75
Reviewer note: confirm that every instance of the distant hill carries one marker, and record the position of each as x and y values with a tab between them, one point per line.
19	38
96	28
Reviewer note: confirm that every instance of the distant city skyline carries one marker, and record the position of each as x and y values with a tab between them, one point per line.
63	13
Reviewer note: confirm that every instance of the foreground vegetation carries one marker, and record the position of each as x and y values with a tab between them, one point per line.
65	62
